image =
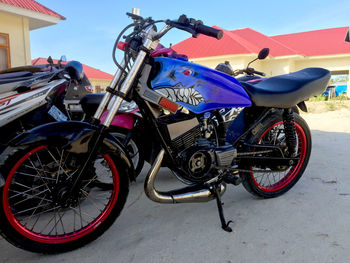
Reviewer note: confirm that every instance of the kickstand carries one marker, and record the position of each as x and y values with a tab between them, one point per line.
224	225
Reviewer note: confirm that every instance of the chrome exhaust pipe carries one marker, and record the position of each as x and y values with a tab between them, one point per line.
190	194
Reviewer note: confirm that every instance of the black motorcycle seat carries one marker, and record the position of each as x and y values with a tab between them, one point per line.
286	91
90	102
14	77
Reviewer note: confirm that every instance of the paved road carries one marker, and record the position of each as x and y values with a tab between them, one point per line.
310	223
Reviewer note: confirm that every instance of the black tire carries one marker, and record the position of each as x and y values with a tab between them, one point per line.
30	179
253	183
134	143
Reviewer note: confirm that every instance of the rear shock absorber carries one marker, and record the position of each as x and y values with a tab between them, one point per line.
290	131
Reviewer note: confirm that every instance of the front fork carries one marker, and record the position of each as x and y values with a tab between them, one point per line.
122	92
290	131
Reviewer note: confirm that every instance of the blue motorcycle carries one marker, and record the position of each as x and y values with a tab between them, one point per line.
63	184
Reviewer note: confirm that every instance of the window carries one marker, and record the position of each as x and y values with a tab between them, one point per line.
98	89
4	52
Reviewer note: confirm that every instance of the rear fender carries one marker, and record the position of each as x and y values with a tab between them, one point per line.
75	137
302	106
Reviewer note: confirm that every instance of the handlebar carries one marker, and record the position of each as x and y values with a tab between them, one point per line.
259	73
248	71
209	31
195	27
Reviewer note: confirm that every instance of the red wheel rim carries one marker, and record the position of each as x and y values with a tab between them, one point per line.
64	238
294	170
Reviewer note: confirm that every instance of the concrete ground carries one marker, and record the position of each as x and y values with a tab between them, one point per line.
310	223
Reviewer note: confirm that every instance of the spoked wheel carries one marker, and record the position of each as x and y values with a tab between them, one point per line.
275	180
38	211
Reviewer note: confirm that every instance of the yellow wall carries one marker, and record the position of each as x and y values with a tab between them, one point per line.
236	61
103	83
270	66
17	28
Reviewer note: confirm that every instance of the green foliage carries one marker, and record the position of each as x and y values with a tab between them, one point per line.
319	98
342	97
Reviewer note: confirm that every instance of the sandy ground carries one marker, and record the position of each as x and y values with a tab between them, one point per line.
310	223
325	106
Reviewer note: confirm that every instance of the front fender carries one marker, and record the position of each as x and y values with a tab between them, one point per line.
74	137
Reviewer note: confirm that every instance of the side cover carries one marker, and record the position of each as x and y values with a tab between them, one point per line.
196	87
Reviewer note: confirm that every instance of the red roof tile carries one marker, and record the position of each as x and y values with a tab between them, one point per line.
261	41
247	41
204	46
241	41
90	72
319	42
33	6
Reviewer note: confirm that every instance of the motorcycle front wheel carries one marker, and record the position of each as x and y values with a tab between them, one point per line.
38	215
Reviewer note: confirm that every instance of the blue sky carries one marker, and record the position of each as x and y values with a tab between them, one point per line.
91	27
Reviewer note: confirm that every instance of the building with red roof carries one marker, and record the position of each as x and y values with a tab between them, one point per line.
99	80
327	48
17	18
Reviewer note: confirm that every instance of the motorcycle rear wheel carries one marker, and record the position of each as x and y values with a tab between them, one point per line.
268	184
34	213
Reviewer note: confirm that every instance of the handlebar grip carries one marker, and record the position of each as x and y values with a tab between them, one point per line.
259	73
209	31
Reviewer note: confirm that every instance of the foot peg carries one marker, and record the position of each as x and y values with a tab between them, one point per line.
232	179
224	225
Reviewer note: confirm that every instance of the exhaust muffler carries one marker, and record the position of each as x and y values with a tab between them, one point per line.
191	194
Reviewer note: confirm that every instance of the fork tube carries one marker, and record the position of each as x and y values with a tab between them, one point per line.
125	87
106	98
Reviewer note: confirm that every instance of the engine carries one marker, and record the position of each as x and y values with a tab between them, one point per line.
197	152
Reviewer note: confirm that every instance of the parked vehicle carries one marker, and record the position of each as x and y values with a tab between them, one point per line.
74	93
78	174
31	96
131	130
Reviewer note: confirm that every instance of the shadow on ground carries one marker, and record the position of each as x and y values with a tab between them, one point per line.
310	223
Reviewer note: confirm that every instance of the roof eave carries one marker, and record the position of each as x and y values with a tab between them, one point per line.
36	19
294	56
329	56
